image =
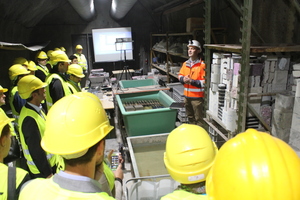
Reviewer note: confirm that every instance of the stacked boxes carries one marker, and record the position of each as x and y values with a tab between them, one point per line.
267	75
295	127
282	116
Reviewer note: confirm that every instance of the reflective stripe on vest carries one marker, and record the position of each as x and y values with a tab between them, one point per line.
194	90
40	121
64	84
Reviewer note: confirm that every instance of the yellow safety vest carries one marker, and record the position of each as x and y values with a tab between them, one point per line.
47	189
184	195
44	70
64	84
41	125
109	176
73	87
81	60
11	99
20	174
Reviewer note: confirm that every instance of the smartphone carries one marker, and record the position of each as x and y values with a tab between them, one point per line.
114	162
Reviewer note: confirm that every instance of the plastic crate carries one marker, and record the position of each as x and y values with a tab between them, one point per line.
137	83
151	121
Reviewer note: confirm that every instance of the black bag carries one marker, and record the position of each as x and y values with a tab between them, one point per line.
14	151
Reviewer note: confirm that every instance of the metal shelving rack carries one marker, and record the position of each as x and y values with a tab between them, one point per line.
167	52
208	32
244	50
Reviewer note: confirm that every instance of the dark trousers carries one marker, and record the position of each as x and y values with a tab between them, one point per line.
194	110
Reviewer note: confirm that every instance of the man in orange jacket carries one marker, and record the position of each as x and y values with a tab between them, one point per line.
191	75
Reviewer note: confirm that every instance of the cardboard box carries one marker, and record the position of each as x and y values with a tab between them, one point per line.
193	22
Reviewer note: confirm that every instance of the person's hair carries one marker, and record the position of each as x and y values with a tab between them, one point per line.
196	188
72	57
31	97
5	131
83	159
55	68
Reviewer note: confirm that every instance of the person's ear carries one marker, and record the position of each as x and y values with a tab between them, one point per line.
3	141
100	148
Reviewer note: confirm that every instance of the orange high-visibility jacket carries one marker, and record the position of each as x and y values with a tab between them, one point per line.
197	74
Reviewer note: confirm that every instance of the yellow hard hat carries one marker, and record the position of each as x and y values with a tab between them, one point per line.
4	120
42	55
3	89
62	48
78	119
49	53
32	66
254	165
20	60
190	153
78	46
58	56
57	49
76	70
28	84
16	70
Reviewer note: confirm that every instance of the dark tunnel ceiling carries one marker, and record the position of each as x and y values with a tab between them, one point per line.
30	13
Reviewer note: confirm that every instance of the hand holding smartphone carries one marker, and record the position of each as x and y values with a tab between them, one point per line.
114	161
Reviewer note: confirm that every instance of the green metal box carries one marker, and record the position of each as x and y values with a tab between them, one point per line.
150	121
137	83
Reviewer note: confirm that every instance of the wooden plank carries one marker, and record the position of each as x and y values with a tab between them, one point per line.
259	117
254	49
216	129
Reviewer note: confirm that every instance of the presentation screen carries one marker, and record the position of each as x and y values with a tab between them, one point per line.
112	44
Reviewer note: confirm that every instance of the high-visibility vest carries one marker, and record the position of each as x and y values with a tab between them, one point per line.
184	195
43	69
47	189
196	72
12	94
81	61
64	84
109	176
74	88
26	112
20	174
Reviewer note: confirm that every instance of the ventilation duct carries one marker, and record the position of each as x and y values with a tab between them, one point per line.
85	8
119	8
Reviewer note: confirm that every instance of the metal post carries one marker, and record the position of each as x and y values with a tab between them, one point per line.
245	66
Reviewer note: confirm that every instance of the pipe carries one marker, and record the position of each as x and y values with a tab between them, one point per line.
85	8
119	8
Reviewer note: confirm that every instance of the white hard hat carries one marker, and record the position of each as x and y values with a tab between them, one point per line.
194	43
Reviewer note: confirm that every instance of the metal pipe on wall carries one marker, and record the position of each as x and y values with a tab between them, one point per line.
85	8
119	8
